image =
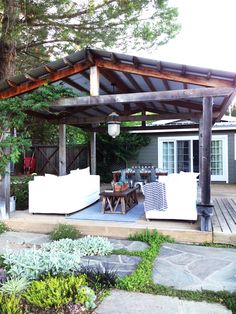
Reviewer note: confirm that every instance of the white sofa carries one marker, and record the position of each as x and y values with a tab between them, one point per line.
51	194
181	198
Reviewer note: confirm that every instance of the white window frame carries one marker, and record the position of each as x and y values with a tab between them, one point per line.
224	138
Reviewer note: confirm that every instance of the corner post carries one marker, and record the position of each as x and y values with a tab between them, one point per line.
62	149
94	91
205	208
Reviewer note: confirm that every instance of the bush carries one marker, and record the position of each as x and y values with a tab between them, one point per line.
10	304
19	189
15	286
58	291
3	227
32	263
100	278
63	231
86	246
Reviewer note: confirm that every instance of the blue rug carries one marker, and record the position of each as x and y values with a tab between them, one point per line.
93	212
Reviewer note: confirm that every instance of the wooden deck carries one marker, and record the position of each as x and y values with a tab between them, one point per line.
224	220
223	226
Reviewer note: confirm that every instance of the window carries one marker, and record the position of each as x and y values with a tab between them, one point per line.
177	154
217	157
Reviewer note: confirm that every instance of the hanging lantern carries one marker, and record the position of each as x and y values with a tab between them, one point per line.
113	125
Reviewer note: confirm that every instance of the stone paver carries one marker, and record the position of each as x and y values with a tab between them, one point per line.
120	302
122	265
129	245
21	240
191	267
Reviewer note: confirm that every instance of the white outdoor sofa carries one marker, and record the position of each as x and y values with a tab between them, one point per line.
51	194
180	201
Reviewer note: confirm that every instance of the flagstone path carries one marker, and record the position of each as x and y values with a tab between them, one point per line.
187	267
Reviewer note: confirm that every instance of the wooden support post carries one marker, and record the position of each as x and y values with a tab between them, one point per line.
94	91
206	152
93	152
62	149
200	150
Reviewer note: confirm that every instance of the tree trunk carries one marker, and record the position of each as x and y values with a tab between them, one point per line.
7	40
7	69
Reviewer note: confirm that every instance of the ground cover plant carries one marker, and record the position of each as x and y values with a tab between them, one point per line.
141	279
3	227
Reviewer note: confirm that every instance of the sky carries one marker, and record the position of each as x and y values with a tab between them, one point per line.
207	38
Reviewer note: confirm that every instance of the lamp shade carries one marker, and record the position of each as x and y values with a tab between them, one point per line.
113	125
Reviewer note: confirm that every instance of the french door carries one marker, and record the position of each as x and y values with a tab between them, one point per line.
182	154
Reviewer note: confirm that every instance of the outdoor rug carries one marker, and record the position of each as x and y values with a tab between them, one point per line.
93	212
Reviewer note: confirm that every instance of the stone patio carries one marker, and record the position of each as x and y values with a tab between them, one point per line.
191	267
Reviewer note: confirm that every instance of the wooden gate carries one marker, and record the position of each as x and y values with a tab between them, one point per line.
47	158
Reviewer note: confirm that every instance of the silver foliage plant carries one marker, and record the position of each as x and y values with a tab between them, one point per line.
87	246
31	263
15	286
58	257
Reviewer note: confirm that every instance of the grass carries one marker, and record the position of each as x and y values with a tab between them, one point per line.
141	279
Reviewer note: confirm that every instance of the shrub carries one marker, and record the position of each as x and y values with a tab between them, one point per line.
19	189
15	286
100	278
87	246
64	231
3	227
10	304
32	263
58	291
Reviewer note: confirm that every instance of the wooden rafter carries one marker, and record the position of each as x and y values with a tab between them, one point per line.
164	74
75	84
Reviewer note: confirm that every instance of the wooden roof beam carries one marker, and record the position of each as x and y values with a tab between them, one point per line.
114	79
143	97
75	84
226	103
52	77
164	74
153	117
102	86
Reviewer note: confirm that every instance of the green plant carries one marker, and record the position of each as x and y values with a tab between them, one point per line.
32	263
3	227
57	291
10	304
19	189
64	231
15	286
86	246
100	278
141	279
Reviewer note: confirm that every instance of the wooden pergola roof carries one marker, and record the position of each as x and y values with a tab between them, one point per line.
128	85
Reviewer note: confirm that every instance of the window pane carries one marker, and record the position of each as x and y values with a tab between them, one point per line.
217	157
183	156
168	156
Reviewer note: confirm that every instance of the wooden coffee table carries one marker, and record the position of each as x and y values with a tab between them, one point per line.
110	201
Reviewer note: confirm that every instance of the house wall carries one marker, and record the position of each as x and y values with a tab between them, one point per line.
149	153
231	156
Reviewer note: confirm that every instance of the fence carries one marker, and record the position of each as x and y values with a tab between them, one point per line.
47	158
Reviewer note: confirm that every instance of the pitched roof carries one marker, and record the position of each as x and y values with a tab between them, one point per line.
119	74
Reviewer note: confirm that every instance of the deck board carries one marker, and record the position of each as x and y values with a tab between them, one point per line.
221	217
